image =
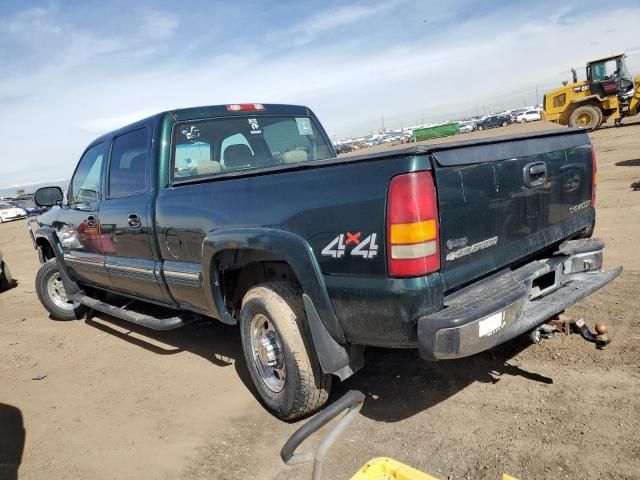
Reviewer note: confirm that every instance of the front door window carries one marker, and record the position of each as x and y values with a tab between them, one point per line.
84	190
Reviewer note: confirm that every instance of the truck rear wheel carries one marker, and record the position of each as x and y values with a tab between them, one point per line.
586	116
279	353
53	296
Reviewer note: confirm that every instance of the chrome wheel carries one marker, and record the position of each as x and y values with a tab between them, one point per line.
57	293
268	354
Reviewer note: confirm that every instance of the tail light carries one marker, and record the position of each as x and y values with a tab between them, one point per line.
412	226
594	182
245	107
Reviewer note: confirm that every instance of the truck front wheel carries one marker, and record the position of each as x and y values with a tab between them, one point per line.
279	352
53	296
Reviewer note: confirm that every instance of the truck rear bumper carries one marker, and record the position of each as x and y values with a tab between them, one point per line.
509	304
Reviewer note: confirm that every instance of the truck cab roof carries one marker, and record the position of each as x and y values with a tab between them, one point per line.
209	111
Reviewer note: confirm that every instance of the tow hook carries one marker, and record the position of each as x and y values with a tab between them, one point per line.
600	337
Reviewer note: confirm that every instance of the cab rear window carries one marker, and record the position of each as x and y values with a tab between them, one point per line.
210	147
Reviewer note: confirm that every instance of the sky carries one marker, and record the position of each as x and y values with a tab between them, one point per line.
73	70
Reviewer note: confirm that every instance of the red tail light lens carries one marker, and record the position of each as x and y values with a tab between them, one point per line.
594	182
412	226
245	107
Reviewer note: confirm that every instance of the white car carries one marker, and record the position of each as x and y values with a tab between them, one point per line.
466	128
9	212
529	116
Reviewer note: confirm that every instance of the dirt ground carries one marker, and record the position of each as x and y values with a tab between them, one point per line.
121	402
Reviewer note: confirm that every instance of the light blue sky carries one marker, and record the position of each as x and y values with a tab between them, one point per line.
73	70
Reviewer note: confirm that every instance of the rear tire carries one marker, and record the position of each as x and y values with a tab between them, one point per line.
504	124
52	295
480	127
279	352
586	116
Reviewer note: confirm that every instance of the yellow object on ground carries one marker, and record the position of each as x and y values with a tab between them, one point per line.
388	469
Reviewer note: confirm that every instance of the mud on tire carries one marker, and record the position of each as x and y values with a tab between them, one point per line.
277	307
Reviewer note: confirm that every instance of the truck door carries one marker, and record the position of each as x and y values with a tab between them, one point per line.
125	218
77	223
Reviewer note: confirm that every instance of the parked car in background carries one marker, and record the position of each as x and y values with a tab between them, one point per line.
494	121
515	113
466	128
6	281
344	149
28	206
529	116
9	212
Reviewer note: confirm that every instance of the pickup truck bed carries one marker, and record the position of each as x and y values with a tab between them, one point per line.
239	214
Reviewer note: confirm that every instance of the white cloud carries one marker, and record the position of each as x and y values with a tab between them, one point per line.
334	18
159	25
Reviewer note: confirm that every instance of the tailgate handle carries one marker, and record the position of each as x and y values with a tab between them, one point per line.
535	174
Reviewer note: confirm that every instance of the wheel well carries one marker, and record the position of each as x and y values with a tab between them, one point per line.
240	270
45	248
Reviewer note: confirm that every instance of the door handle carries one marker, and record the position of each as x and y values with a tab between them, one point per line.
134	220
535	174
92	221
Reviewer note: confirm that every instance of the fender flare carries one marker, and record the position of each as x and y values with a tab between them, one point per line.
50	235
328	338
287	246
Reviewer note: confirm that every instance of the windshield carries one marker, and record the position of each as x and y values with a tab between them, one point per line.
222	145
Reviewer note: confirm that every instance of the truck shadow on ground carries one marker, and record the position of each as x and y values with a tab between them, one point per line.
628	163
212	340
612	126
12	436
399	384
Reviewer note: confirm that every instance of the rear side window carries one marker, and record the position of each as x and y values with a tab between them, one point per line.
128	165
207	147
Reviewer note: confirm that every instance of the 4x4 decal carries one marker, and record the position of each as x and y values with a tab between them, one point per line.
366	248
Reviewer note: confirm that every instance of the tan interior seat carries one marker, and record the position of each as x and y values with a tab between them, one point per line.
207	167
294	156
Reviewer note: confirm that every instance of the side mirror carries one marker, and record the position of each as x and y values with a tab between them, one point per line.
48	196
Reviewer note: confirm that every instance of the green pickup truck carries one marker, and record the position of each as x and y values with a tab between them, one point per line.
242	213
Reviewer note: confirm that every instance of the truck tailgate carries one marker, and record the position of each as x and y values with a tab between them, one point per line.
502	202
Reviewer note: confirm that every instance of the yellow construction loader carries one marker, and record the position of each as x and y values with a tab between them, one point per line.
608	93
